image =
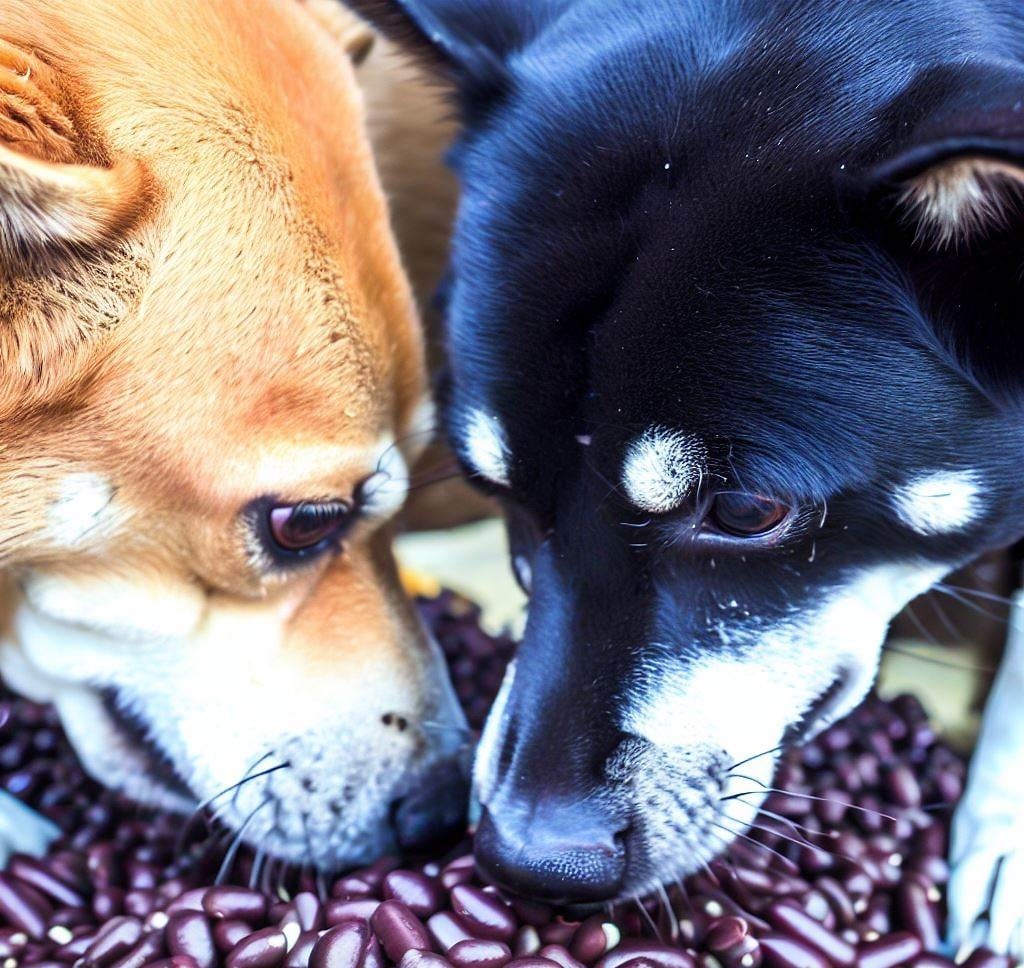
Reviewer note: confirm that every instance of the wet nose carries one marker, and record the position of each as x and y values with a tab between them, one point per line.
433	815
565	853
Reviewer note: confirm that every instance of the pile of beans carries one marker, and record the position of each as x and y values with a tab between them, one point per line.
843	870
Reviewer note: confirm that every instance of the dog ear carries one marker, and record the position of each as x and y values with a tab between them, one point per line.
466	41
952	207
56	187
46	204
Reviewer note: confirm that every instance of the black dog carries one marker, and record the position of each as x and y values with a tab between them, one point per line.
736	332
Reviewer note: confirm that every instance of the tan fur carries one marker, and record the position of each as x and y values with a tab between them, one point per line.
958	199
209	309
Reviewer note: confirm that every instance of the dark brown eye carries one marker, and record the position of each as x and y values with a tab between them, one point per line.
308	525
747	515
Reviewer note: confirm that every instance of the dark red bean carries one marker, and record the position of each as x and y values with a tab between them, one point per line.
398	930
23	907
780	951
149	948
485	915
114	940
337	911
188	933
261	949
928	960
309	912
423	959
298	957
341	947
235	902
175	961
725	932
37	874
593	938
449	929
480	954
659	955
228	932
902	786
350	889
531	912
421	894
800	926
917	913
560	955
531	962
890	951
191	900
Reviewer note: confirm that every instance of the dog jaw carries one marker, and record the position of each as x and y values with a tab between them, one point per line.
231	697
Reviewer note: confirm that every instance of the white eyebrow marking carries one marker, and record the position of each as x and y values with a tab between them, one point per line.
385	490
939	502
486	446
662	467
81	506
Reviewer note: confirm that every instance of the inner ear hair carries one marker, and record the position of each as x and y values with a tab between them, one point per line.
962	198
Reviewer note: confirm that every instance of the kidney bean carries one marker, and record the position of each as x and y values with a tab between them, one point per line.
114	940
149	948
188	933
887	952
799	925
421	894
261	949
781	951
235	902
929	960
484	914
423	959
399	930
23	907
42	878
228	932
558	931
593	938
298	956
659	955
479	954
526	942
560	955
175	961
341	947
337	910
448	929
917	913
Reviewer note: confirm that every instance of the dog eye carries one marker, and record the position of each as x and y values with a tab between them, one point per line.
745	515
308	526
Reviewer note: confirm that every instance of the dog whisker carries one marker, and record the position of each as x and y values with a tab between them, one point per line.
229	857
804	796
934	660
756	756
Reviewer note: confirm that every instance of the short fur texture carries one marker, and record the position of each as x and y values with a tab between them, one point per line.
203	310
791	232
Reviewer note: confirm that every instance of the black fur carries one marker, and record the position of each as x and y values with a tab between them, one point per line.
684	213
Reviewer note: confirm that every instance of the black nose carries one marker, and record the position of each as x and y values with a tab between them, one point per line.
433	815
570	855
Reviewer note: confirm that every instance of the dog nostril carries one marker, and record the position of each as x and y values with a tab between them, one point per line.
393	719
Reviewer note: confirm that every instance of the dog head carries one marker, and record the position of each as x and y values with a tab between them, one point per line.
211	389
733	329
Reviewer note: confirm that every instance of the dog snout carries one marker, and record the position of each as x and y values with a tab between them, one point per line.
434	815
561	851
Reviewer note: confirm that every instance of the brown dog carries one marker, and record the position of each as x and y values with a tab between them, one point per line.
211	387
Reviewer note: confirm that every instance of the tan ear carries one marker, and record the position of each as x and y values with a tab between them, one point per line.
961	198
355	36
45	204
